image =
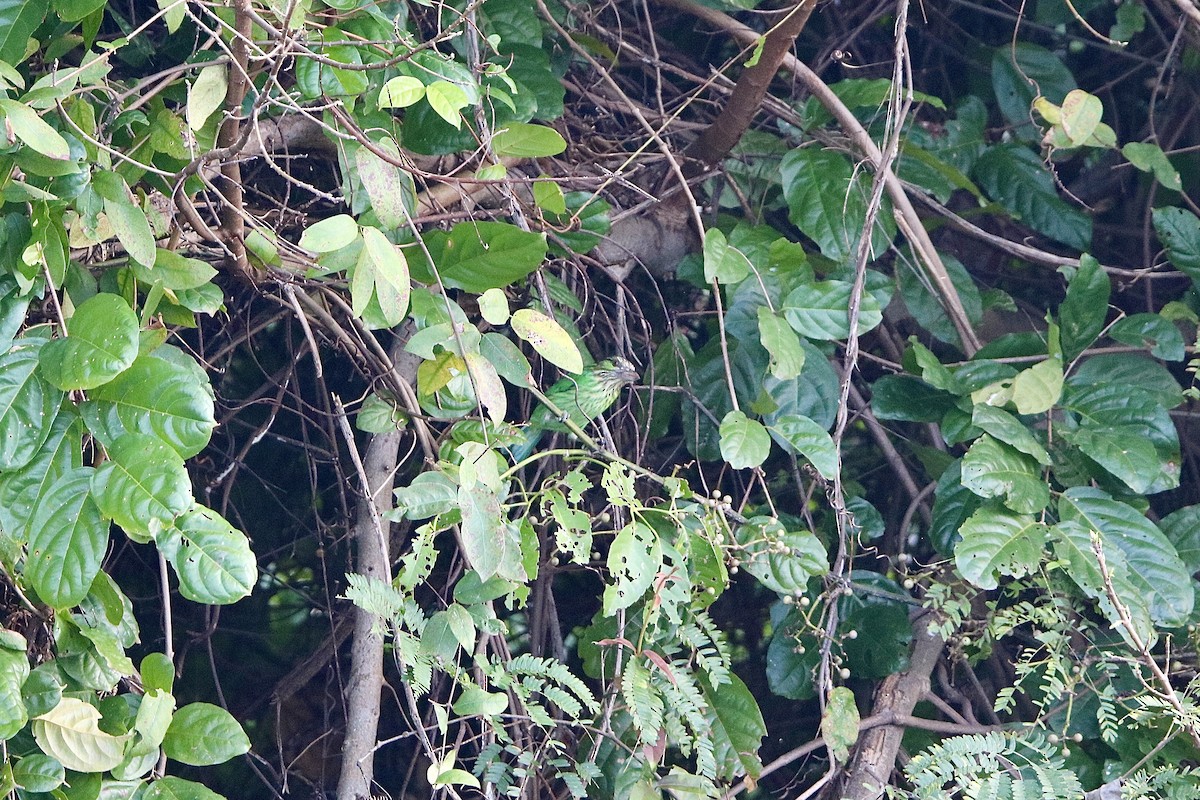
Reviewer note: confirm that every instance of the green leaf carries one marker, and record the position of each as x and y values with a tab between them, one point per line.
780	340
386	271
827	200
490	545
790	665
157	672
429	494
329	234
42	690
102	342
206	95
156	397
478	256
175	14
202	734
821	310
878	614
787	567
14	669
994	470
18	20
1149	157
736	725
1083	312
401	92
548	338
1155	568
29	405
810	440
174	271
722	262
1035	390
34	131
634	559
67	541
1008	429
839	723
447	100
128	221
1080	116
316	79
521	140
37	772
70	734
996	542
390	189
1015	177
172	788
1153	331
143	486
909	399
211	557
1123	452
477	702
549	197
1021	70
744	441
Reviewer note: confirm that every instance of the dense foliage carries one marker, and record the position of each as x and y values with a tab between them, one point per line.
322	473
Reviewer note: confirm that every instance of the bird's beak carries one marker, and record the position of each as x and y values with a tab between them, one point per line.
629	375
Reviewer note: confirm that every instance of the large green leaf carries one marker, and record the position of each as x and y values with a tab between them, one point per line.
202	734
1008	429
1014	176
736	727
34	131
490	545
211	557
173	788
1183	529
1073	545
780	340
1155	567
18	20
1122	451
1083	312
156	397
909	399
28	404
782	560
1020	72
827	199
143	486
992	469
1153	331
70	733
102	342
478	256
953	503
389	188
1112	405
128	221
634	559
997	542
744	441
1179	231
821	310
839	723
791	665
67	540
879	617
809	439
14	669
21	489
381	273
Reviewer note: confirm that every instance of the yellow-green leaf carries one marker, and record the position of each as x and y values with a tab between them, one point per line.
549	338
206	95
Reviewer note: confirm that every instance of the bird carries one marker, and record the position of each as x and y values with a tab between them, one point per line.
581	398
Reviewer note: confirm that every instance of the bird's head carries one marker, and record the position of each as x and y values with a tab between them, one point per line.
617	370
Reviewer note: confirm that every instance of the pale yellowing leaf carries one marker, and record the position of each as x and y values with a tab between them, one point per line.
69	733
447	99
548	338
488	387
401	92
493	305
206	95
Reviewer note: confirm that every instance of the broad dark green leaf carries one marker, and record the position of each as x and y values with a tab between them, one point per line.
1183	529
992	469
202	734
997	542
211	557
877	612
18	20
102	342
821	310
791	658
38	772
924	304
28	404
744	441
315	79
1179	231
156	397
1014	176
1152	331
736	726
1084	311
827	200
1122	451
909	399
143	486
1008	429
478	256
67	541
1155	567
809	439
1019	72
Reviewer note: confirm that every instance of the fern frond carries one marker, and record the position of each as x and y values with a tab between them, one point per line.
644	702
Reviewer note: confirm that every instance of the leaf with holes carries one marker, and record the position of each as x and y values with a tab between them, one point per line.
996	542
634	560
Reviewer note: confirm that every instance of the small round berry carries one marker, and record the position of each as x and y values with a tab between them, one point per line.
844	673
